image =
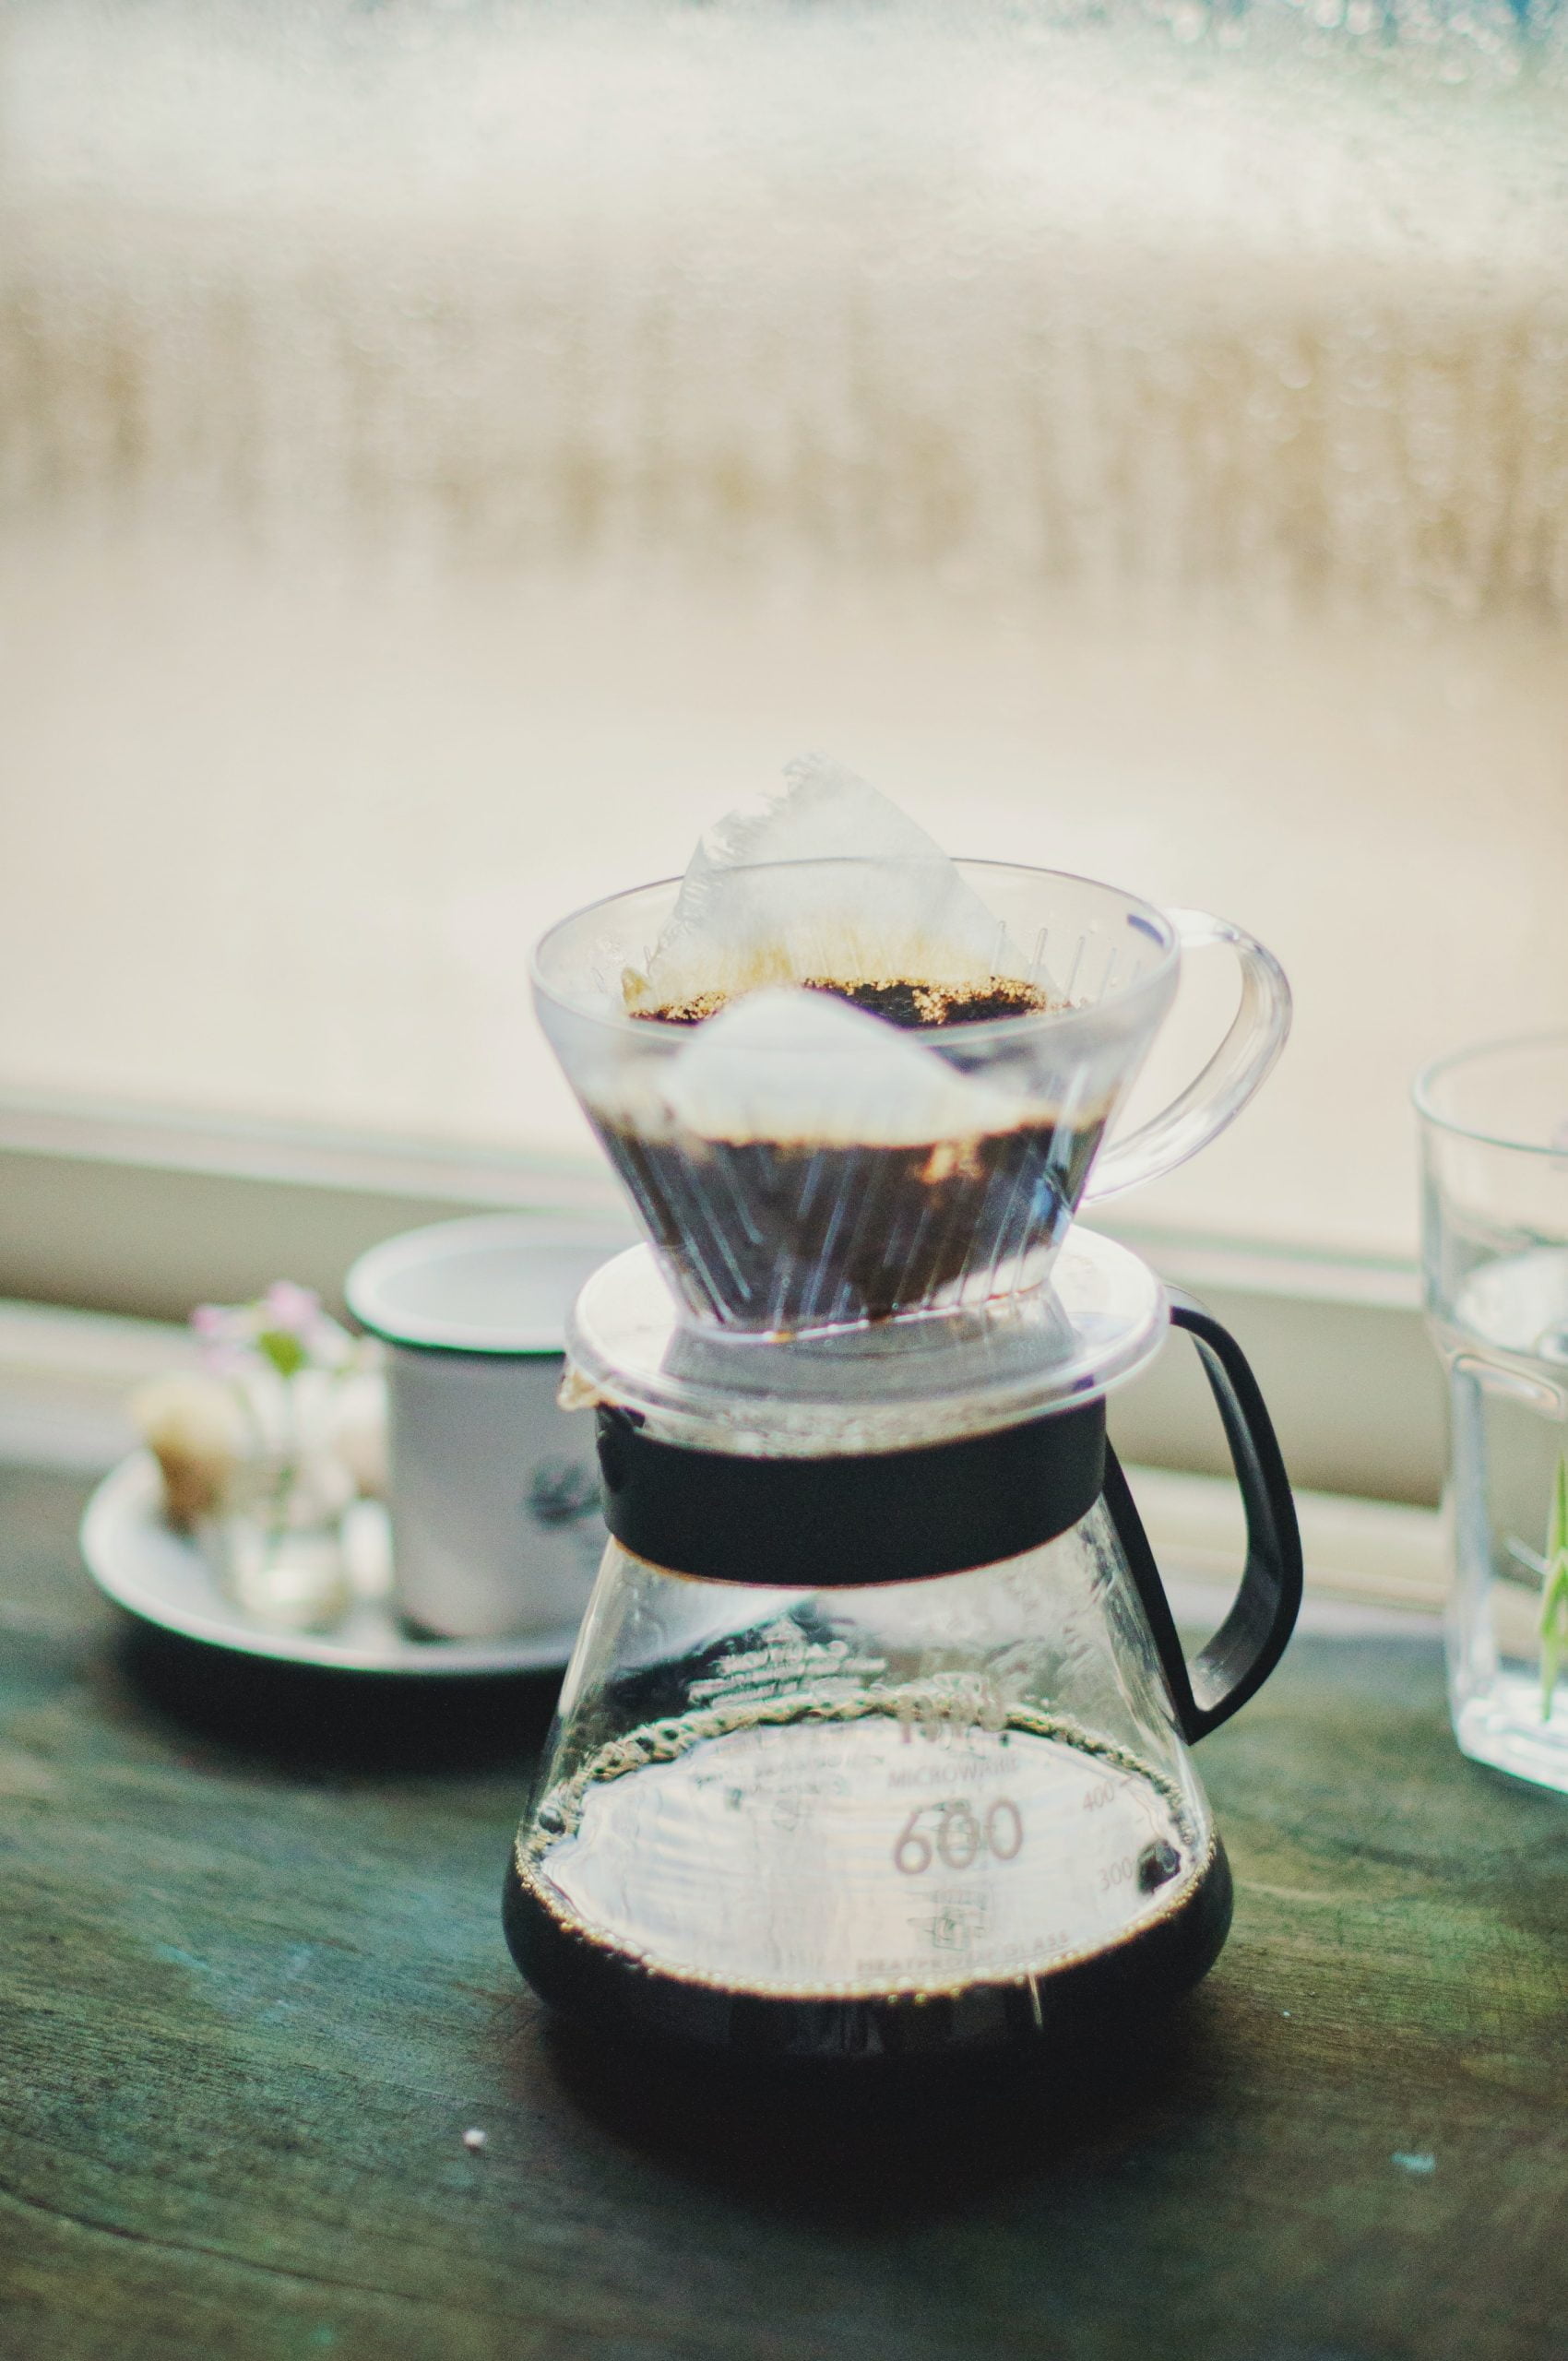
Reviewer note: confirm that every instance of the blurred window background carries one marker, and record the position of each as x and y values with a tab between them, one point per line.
451	453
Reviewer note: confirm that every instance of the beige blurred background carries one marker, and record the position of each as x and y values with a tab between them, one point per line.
449	455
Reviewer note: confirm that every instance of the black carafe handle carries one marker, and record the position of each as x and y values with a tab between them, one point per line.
1250	1641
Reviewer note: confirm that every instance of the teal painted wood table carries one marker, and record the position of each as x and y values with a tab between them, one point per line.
254	1993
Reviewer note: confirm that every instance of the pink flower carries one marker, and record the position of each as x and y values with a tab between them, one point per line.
285	1329
292	1307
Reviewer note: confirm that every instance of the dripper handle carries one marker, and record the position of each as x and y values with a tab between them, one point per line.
1242	1061
1250	1641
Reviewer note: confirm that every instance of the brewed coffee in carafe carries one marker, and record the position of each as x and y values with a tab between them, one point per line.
814	1792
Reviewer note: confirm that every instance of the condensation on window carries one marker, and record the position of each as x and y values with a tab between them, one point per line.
447	454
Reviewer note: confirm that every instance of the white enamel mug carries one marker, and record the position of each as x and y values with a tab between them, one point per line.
494	1489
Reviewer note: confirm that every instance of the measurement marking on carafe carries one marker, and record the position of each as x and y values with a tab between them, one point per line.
960	1836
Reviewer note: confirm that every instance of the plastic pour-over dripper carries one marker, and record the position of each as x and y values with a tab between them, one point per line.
807	1186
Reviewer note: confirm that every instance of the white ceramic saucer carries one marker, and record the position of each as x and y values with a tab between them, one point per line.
161	1577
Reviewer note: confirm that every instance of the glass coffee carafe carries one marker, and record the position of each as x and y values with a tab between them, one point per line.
875	1744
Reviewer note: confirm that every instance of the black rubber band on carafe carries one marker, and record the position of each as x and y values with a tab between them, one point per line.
832	1523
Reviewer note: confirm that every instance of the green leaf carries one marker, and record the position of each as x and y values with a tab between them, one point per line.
1554	1591
1557	1527
285	1352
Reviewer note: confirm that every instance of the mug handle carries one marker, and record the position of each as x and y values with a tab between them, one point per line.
1252	1638
1243	1060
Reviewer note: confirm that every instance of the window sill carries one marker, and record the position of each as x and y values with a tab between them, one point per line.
143	1216
64	1377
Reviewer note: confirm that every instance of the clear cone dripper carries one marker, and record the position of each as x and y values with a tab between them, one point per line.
829	1171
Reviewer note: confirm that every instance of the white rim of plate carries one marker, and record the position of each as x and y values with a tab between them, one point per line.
122	1511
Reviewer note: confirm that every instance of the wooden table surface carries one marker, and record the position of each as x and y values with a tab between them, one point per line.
254	1991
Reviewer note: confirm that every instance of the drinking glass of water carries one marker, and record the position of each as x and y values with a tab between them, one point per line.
1494	1141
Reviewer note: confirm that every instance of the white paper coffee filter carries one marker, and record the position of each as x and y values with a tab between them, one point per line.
742	922
801	1066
